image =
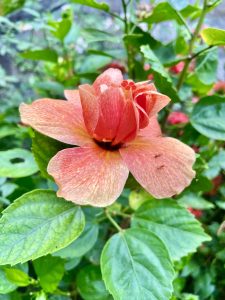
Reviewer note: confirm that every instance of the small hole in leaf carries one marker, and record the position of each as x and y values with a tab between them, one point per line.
17	160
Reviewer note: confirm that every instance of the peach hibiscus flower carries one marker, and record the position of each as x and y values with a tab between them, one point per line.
114	124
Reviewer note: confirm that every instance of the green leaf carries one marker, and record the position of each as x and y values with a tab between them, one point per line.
92	3
16	163
50	271
5	285
164	12
44	148
6	130
83	244
206	69
28	226
213	36
161	77
135	264
195	201
17	277
173	224
137	198
90	284
61	28
42	54
7	7
92	35
208	117
215	165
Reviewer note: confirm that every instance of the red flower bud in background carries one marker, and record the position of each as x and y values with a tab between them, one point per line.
177	117
196	212
115	65
178	68
195	148
219	86
195	99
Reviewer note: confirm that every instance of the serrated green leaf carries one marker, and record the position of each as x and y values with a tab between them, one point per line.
17	277
28	226
90	284
162	78
42	54
213	36
208	117
206	69
173	224
83	244
44	148
93	3
16	163
215	165
50	271
194	201
135	264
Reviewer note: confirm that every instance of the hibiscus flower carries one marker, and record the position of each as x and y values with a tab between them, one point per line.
114	124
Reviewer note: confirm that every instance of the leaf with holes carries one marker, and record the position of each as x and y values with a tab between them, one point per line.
173	224
135	264
17	163
36	224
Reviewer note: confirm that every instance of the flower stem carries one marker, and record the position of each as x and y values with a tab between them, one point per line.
113	221
128	47
191	46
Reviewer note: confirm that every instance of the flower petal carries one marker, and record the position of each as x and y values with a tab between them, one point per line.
111	104
73	96
152	130
163	166
89	175
152	102
111	77
57	119
90	106
128	127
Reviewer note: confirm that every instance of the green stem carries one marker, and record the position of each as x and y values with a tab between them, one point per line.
113	221
191	45
128	47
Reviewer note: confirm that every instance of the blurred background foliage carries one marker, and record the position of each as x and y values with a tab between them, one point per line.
49	46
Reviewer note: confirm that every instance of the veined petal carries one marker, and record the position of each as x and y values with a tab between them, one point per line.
89	175
90	106
152	130
163	166
111	77
57	119
111	105
152	102
129	124
73	96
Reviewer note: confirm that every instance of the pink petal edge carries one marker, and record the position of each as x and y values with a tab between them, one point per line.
163	166
58	119
89	175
